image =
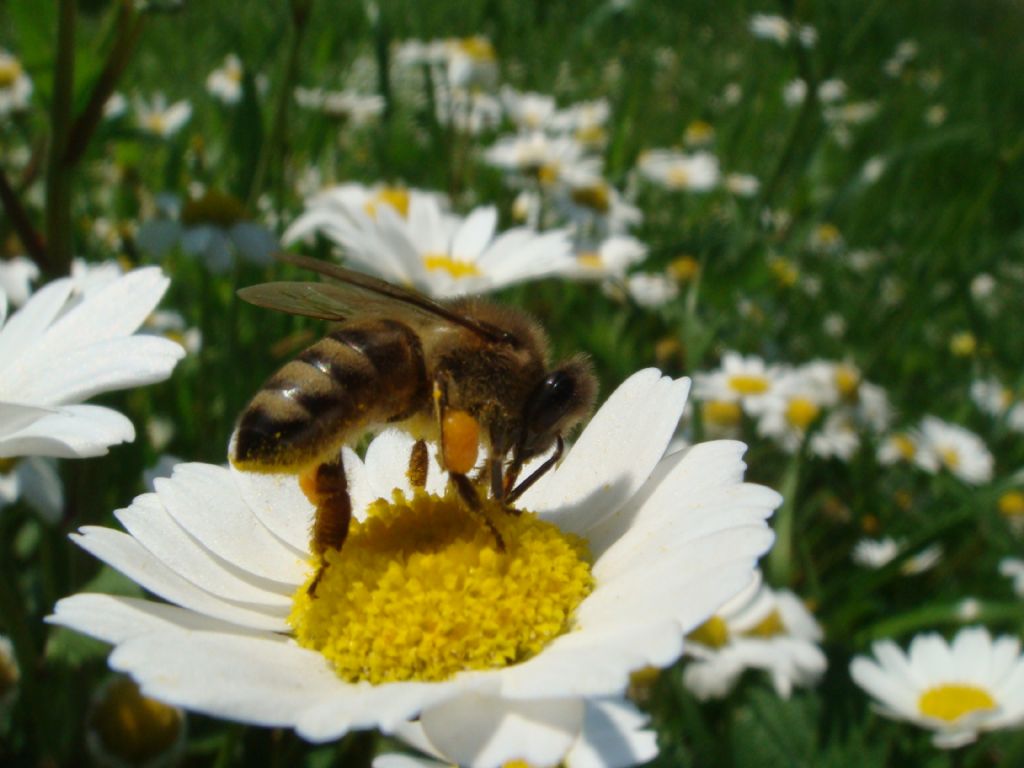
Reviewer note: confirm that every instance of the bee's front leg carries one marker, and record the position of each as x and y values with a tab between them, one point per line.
326	486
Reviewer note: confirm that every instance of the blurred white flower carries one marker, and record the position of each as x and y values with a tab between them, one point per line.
794	92
795	403
983	285
471	61
609	260
225	82
651	289
549	160
954	448
763	629
872	553
744	379
155	116
585	121
115	106
832	90
676	170
15	84
16	278
957	690
742	184
468	111
356	108
770	27
530	111
1013	568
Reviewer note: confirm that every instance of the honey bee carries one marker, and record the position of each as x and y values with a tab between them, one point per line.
459	373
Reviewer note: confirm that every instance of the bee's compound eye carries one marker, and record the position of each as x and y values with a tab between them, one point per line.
550	402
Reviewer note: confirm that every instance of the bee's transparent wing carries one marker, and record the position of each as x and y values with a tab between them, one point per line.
324	301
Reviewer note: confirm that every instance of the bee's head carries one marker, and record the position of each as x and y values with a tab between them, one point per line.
560	401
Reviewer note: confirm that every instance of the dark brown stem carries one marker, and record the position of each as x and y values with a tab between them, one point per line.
27	233
58	176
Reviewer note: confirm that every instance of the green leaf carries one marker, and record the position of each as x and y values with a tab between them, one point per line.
770	732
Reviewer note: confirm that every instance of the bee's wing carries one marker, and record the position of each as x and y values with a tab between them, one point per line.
355	293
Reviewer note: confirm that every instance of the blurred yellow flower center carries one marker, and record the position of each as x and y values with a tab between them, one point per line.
785	271
548	173
421	592
396	197
1011	504
699	132
678	176
133	727
801	412
847	380
10	71
950	458
713	633
478	48
770	626
590	259
598	197
827	235
440	262
963	344
748	384
721	412
155	122
953	701
904	446
591	135
684	268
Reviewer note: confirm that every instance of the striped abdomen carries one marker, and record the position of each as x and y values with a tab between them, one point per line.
366	372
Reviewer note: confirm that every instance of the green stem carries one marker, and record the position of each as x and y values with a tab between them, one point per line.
58	174
780	559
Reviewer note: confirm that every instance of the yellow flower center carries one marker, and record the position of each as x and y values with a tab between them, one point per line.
963	344
10	71
847	380
590	260
950	458
477	48
134	727
678	177
420	591
591	135
785	271
748	383
598	197
155	123
801	412
548	173
827	235
699	132
713	633
684	268
1011	504
722	413
904	446
217	208
458	269
770	626
1005	398
396	197
952	701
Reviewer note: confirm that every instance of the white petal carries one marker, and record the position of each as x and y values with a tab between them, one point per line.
14	416
41	487
75	431
405	761
473	235
246	679
204	500
114	619
24	328
124	553
615	454
612	737
480	731
280	505
149	523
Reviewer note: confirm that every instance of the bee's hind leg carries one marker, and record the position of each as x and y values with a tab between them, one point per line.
326	486
419	463
469	495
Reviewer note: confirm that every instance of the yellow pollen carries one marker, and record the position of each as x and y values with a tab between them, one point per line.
722	413
699	132
801	412
713	633
478	48
678	177
597	197
1011	504
950	458
396	197
134	727
455	268
952	701
10	71
516	764
420	591
770	626
847	380
748	384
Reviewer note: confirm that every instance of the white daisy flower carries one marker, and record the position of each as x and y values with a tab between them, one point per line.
761	628
1013	568
115	106
596	208
957	690
469	112
954	448
875	553
471	61
157	117
612	735
768	26
832	90
441	254
470	654
34	480
352	106
838	437
651	290
743	379
530	111
742	184
225	82
898	447
991	396
16	278
671	169
62	348
794	92
923	561
610	260
585	121
15	84
796	402
551	160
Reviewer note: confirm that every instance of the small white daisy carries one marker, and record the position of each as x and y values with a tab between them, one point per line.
768	26
530	111
957	690
225	82
15	84
761	628
674	170
354	107
651	290
16	278
610	260
155	116
670	538
744	379
550	160
954	448
1013	568
875	553
795	404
